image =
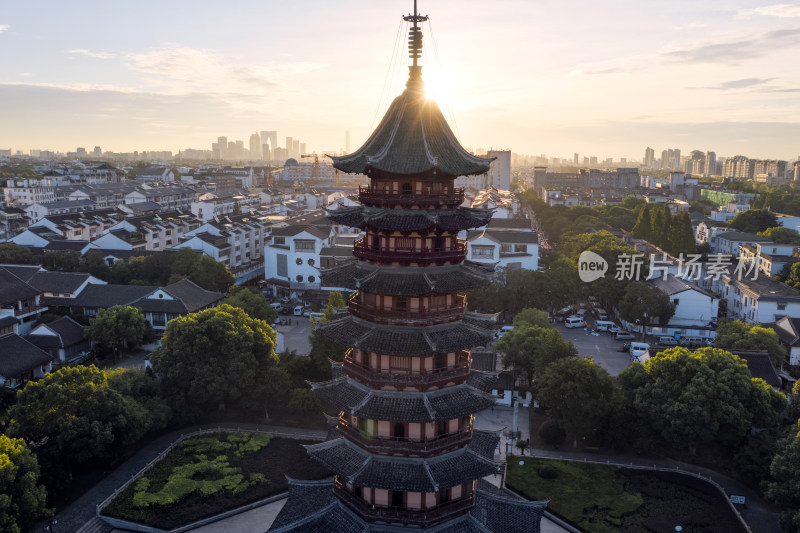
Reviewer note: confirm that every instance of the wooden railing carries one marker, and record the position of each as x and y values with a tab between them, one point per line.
435	315
416	517
406	446
378	198
420	256
398	378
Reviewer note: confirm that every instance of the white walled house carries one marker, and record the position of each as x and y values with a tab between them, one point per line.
761	300
236	240
505	249
696	310
292	258
788	330
730	242
771	257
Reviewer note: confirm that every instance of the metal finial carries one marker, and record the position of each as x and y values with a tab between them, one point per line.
415	35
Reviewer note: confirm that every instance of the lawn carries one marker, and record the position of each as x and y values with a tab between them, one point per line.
207	475
606	499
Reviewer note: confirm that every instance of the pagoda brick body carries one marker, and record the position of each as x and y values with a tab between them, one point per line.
404	451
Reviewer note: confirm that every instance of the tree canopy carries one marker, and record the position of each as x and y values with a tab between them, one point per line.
252	302
75	415
529	349
532	317
577	394
643	303
754	221
781	235
785	471
691	398
738	335
216	356
119	326
22	499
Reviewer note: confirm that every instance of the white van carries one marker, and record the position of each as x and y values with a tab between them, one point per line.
600	314
299	309
667	341
276	306
574	322
605	325
638	349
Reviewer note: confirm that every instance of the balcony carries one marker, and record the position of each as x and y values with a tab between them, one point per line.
375	198
404	446
403	515
398	378
423	256
425	315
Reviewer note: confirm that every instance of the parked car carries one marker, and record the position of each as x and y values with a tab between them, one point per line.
605	325
574	322
626	347
624	335
638	349
692	342
667	341
299	310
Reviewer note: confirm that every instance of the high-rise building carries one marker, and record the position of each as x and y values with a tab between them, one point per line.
500	170
289	152
97	152
255	146
303	149
796	167
270	137
222	145
405	455
575	159
711	163
295	149
649	158
738	167
81	152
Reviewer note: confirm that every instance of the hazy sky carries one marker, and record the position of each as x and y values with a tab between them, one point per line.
556	77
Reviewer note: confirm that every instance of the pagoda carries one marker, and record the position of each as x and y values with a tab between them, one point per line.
403	449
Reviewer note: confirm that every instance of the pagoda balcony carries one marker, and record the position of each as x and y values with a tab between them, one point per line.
377	198
407	378
412	517
410	317
405	446
423	256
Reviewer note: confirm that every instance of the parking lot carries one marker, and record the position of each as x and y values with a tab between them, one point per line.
603	349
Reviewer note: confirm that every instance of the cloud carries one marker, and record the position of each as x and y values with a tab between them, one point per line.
735	51
774	10
4	27
91	53
694	25
744	83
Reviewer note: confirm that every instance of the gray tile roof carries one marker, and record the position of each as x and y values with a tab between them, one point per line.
347	394
405	340
18	356
23	272
410	219
101	296
58	281
13	289
412	138
404	281
506	237
674	285
68	332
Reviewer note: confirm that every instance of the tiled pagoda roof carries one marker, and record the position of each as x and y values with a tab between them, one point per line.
404	473
312	507
408	340
412	139
404	281
407	220
347	394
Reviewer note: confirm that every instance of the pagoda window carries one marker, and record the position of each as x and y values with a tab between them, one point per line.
404	244
416	364
439	244
369	299
441	360
401	303
438	301
415	431
452	426
400	363
415	304
407	188
441	427
398	499
430	500
456	492
399	430
444	496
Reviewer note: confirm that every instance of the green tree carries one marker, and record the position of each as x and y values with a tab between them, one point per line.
212	275
74	416
95	264
781	235
785	471
252	302
216	356
754	220
22	499
64	261
692	398
120	273
183	262
529	349
15	254
643	304
681	237
119	327
577	393
303	402
738	335
532	317
643	228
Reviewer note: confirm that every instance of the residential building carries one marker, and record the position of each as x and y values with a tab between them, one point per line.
729	242
21	299
292	259
696	310
770	257
236	240
62	339
158	174
761	300
21	360
788	330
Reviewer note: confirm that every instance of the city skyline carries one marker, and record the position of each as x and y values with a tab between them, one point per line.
536	78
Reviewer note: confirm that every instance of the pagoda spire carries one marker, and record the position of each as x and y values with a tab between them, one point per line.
415	48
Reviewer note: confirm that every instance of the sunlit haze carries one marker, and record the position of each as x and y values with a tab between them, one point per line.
537	77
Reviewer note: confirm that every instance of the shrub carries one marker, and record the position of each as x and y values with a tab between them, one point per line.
551	433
